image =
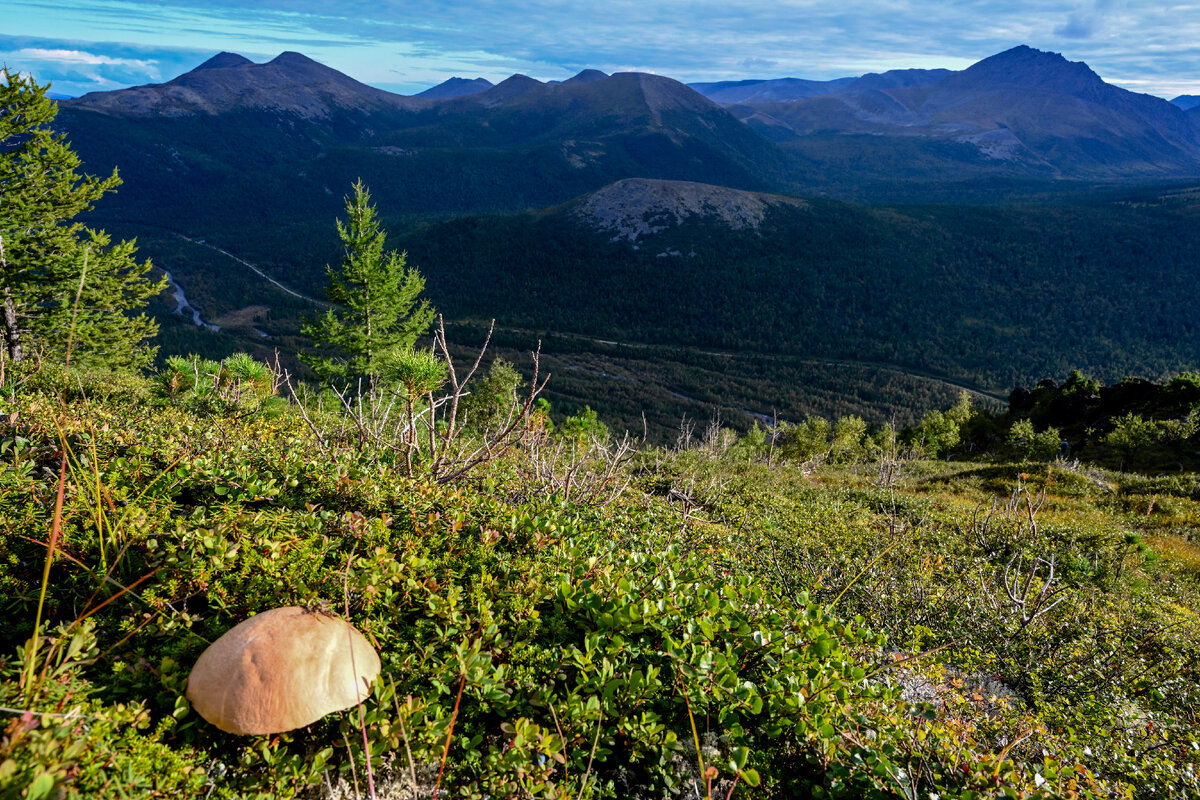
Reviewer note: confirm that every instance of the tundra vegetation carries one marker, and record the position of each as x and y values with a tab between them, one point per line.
965	608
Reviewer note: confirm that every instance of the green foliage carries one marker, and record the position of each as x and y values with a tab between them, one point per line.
806	441
238	383
849	440
844	442
491	400
68	292
416	372
74	383
377	312
940	432
639	648
754	446
583	427
1031	445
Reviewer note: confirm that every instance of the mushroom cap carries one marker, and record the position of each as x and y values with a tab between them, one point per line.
281	669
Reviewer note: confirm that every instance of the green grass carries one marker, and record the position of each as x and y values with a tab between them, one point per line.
815	632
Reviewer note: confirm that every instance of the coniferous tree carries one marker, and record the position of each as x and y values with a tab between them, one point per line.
378	313
66	289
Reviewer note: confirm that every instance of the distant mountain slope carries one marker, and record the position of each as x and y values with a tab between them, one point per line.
239	149
1187	101
290	83
768	91
899	78
292	134
658	127
1026	110
456	87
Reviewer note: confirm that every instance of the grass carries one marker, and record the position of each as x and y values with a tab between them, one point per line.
719	624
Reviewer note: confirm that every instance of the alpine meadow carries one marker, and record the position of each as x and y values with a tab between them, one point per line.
603	437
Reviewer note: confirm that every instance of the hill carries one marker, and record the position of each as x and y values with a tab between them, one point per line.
674	298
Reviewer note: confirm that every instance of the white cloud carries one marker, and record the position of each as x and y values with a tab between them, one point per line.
80	57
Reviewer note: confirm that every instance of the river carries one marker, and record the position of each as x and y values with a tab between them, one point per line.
183	307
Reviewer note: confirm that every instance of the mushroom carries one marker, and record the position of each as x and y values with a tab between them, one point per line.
281	669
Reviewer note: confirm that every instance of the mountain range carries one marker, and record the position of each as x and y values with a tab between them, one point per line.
1024	107
634	206
1022	112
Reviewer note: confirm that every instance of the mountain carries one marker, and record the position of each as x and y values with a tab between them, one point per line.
587	76
1023	111
258	156
456	87
768	91
291	84
293	134
631	208
1187	101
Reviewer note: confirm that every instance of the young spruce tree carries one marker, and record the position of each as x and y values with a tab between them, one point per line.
67	293
378	314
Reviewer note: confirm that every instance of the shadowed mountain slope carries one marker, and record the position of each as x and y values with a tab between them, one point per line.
290	83
768	91
456	87
234	145
1028	111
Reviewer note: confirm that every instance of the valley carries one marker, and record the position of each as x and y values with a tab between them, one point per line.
976	234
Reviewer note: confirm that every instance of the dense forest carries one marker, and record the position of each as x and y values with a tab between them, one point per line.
983	297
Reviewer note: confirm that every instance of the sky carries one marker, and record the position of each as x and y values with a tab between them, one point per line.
87	45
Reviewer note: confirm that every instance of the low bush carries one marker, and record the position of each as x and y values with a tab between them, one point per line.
720	627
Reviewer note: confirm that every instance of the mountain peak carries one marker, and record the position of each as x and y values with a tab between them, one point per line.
290	83
301	66
292	58
508	89
456	87
1029	68
587	76
224	60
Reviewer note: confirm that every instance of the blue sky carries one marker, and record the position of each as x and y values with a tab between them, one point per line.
86	45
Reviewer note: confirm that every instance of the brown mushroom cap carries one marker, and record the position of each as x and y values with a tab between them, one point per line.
282	669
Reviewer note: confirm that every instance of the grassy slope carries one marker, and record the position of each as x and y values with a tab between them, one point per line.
583	637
